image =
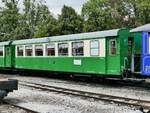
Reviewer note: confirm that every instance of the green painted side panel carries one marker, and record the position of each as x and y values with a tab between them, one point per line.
124	62
88	65
137	42
113	61
2	63
116	63
137	49
113	65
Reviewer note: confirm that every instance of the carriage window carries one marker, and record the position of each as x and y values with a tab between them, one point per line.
1	51
112	47
50	50
38	50
19	50
77	48
63	49
94	47
28	50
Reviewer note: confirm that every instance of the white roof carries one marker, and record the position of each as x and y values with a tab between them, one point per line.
80	36
141	28
5	43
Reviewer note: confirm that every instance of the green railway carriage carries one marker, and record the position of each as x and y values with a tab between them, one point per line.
102	53
136	53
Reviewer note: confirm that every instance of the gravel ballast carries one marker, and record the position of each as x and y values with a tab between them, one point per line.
4	108
51	102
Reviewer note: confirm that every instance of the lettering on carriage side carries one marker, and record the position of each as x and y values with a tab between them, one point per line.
77	62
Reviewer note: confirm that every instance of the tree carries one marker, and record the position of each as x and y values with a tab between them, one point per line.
29	16
97	15
69	22
46	23
139	11
9	19
109	14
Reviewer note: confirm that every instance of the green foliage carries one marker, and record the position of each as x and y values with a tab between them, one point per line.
8	19
46	23
69	22
37	21
97	15
109	14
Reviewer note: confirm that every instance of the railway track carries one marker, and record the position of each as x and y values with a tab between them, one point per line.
28	110
144	104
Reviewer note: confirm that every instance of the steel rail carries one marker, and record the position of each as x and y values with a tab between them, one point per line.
145	104
20	107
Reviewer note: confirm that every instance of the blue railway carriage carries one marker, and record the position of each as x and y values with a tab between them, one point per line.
144	32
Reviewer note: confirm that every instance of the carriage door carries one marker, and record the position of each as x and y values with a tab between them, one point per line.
9	54
113	59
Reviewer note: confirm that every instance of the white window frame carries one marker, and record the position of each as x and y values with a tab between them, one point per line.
17	50
58	49
102	46
72	48
110	47
33	52
3	49
95	48
46	49
34	47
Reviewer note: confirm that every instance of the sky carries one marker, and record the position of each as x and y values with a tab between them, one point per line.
56	5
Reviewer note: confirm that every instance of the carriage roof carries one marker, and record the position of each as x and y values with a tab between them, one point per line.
141	28
5	43
81	36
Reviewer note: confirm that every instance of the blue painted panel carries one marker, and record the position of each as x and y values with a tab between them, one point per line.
145	54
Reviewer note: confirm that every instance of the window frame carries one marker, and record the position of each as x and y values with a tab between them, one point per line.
67	48
17	50
74	48
32	51
35	50
110	47
95	48
46	53
3	51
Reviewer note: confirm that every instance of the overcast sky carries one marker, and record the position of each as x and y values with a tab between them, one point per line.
56	5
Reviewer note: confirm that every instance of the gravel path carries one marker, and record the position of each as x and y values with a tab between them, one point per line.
10	109
50	102
132	92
